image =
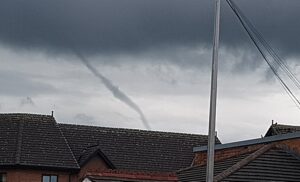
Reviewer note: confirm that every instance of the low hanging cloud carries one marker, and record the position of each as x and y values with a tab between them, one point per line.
19	84
131	26
28	101
84	118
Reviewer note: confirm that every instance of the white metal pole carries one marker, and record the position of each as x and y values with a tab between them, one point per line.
213	96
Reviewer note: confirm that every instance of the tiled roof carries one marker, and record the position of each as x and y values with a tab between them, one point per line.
37	141
135	149
277	129
269	163
30	140
198	173
274	165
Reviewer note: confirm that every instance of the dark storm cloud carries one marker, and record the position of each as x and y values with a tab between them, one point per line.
101	25
109	26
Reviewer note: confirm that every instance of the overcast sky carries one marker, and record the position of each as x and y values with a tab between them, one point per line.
157	53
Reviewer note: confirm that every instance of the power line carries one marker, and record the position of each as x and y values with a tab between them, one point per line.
254	34
281	63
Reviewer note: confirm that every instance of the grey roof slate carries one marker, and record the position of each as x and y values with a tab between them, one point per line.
275	164
37	141
32	140
135	149
198	173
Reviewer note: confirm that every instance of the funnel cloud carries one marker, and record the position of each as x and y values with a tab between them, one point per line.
117	93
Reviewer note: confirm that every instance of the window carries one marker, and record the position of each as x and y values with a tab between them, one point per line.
49	178
2	177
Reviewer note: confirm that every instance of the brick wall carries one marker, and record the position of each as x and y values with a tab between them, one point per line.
201	157
95	164
17	175
33	175
292	144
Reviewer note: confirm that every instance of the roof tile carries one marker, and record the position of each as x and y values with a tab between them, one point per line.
33	140
135	149
274	164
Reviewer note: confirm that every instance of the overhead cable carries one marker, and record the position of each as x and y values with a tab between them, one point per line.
281	63
258	40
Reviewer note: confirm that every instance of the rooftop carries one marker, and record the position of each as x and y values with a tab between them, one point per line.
34	140
278	129
269	139
135	149
37	141
268	163
275	157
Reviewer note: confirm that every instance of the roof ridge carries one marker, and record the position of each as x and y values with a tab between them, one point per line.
278	124
19	142
66	141
24	114
132	129
242	163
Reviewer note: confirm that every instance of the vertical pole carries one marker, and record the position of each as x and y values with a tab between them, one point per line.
213	96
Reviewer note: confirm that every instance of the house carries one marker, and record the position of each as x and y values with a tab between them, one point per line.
35	148
276	157
278	129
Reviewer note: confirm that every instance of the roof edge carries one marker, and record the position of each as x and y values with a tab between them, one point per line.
24	114
134	129
251	142
67	143
39	167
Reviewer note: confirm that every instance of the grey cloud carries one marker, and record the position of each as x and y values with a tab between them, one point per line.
84	118
105	26
18	84
100	26
27	101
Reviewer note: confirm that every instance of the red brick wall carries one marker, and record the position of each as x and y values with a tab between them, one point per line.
201	157
292	144
32	175
95	164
